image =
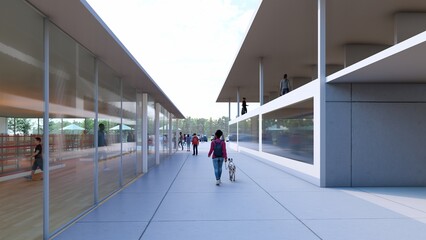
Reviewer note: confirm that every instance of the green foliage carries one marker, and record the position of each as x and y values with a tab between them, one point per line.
202	126
18	125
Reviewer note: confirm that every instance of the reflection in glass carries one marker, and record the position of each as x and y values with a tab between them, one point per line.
21	108
248	133
71	129
288	132
151	132
164	131
128	138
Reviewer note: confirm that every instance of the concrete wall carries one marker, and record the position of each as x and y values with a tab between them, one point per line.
376	135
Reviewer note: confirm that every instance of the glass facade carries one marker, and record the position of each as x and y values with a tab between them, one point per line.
21	105
248	133
164	132
151	133
233	132
288	132
128	133
95	126
72	114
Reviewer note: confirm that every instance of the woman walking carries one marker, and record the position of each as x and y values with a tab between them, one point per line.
218	149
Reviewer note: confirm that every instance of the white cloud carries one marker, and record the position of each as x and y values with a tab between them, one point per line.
186	46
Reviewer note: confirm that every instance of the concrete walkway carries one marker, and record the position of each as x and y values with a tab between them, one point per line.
179	200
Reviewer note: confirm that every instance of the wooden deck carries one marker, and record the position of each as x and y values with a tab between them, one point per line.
71	193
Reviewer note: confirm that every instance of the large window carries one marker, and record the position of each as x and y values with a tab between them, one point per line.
109	141
248	133
164	134
288	132
71	126
151	132
21	107
129	133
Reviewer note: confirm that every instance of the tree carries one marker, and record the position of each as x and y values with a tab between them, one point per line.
19	125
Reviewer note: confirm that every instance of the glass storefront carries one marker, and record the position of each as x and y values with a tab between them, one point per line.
164	132
95	124
72	115
288	132
129	134
151	132
233	132
21	105
248	133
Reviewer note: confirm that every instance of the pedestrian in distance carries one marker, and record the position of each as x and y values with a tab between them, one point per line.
195	142
188	143
219	155
181	139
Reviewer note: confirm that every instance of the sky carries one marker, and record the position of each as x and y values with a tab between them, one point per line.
186	46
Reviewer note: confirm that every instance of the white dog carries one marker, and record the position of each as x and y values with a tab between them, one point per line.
232	168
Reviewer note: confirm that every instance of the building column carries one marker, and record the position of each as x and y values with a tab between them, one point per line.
260	133
169	134
261	81
46	182
320	103
144	148
157	133
120	168
229	109
238	102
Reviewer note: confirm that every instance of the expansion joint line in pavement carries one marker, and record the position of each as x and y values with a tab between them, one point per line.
288	210
162	199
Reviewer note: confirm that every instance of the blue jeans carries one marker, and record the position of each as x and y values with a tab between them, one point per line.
217	164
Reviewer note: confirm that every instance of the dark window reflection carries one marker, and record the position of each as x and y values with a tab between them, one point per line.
288	132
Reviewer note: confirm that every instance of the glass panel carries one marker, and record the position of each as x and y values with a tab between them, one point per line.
288	132
164	131
72	115
248	133
232	133
138	131
175	134
129	133
109	142
151	132
21	107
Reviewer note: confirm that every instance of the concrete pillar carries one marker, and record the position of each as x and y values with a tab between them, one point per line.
238	102
157	133
320	100
261	81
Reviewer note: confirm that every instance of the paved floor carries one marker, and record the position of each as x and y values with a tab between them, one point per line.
179	200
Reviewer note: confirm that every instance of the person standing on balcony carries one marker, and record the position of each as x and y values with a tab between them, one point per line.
244	105
284	85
